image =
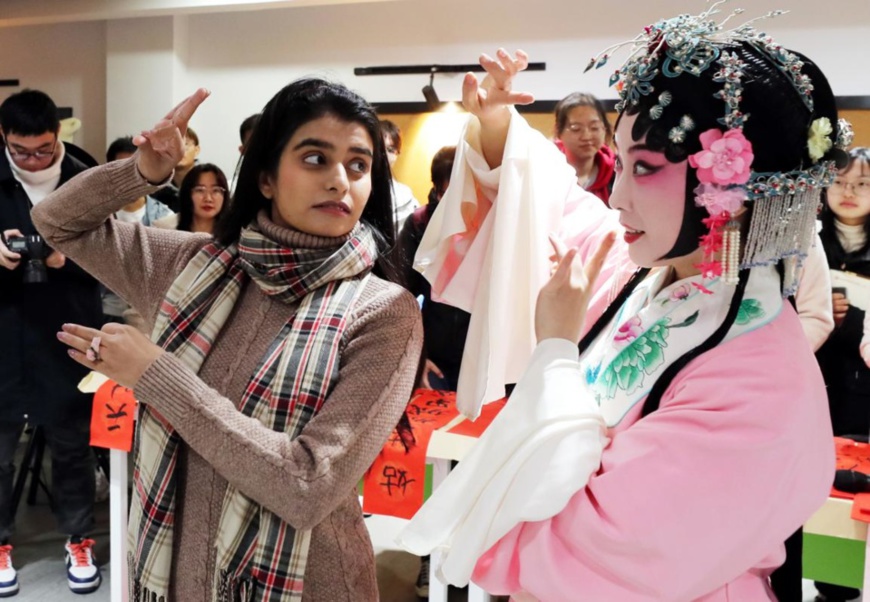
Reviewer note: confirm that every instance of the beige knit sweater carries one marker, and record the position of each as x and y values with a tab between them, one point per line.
309	482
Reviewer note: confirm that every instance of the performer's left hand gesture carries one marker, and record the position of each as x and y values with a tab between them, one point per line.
561	308
120	352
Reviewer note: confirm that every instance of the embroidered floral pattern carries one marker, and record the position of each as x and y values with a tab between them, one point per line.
641	357
629	331
749	311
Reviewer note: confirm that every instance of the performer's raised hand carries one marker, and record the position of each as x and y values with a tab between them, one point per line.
561	308
489	101
162	147
496	92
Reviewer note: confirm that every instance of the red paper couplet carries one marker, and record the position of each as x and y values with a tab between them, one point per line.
112	420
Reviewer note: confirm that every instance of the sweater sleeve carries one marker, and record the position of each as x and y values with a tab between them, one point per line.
135	262
692	496
302	480
813	298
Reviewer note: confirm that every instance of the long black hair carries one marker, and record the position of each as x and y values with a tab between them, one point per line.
185	195
296	104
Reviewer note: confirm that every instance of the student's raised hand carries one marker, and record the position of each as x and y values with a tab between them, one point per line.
162	147
488	100
561	308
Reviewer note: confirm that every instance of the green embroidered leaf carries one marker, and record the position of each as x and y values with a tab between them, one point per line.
658	334
750	309
688	321
642	356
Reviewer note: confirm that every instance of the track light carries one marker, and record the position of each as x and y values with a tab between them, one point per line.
431	96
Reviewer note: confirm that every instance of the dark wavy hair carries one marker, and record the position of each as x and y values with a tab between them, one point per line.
185	195
296	104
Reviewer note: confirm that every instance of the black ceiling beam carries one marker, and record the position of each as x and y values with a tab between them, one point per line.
428	69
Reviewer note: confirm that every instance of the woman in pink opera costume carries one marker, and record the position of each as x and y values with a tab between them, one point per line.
668	430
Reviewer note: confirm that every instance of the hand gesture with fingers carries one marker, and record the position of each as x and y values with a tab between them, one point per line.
488	100
561	308
8	259
430	367
162	147
120	352
840	306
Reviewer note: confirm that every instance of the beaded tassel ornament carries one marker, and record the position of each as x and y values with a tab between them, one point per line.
785	203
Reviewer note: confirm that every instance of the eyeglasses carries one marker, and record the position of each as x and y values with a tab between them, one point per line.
25	155
214	191
595	128
859	188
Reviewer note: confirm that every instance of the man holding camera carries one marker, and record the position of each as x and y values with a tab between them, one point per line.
40	290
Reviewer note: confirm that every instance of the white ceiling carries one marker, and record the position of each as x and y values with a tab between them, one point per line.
43	12
578	18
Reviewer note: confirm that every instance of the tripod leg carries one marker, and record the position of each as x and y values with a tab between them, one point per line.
23	470
36	466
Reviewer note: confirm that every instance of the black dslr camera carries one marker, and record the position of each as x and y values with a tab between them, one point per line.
33	252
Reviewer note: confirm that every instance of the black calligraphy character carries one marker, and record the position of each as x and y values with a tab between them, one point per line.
396	478
116	415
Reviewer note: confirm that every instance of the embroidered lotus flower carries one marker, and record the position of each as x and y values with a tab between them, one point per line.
680	292
725	158
717	200
819	141
629	331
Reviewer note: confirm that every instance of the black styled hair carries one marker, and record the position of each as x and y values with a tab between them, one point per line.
860	156
296	104
442	166
29	113
777	125
185	194
248	125
392	131
581	99
118	146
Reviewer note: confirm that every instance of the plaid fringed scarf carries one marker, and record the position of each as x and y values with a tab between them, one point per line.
259	556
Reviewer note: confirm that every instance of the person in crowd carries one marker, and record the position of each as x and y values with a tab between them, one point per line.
404	203
584	134
846	238
201	199
145	210
444	326
246	129
41	289
650	403
261	406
